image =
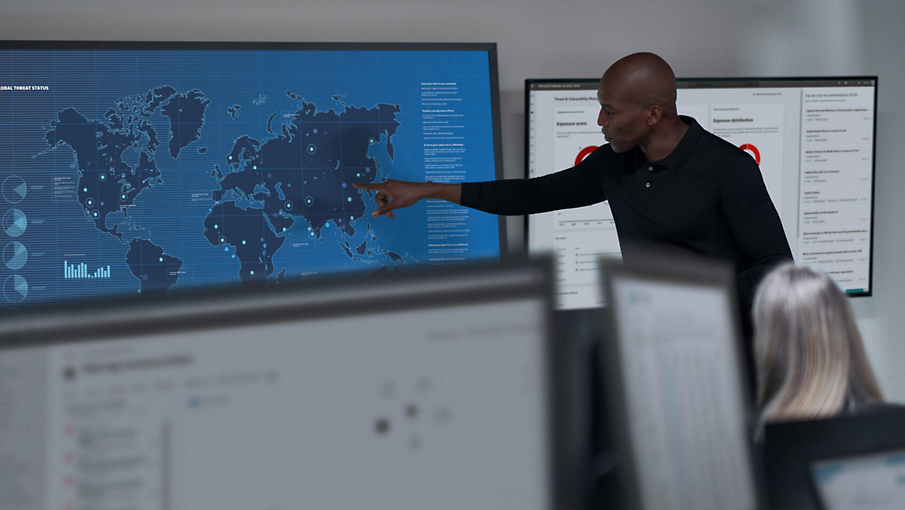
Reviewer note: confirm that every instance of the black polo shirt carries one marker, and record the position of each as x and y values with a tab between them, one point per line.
707	197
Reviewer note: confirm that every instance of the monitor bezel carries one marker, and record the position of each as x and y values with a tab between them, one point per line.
490	48
720	82
815	486
517	279
682	269
792	447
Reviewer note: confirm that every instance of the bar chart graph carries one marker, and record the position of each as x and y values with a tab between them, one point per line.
72	271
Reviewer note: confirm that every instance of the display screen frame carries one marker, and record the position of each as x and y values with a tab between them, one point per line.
674	273
112	323
488	48
723	83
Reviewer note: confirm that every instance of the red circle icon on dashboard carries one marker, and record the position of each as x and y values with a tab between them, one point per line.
753	149
584	153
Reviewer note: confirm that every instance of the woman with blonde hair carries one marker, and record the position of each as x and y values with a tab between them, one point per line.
810	359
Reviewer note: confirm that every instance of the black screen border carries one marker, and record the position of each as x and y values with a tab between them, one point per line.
488	47
720	82
517	278
665	267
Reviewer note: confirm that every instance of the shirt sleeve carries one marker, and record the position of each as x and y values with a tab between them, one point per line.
754	224
574	187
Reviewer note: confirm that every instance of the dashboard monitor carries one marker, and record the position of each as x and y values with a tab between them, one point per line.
813	138
673	365
311	395
853	461
152	167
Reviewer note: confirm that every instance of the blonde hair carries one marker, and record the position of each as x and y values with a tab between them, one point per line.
810	358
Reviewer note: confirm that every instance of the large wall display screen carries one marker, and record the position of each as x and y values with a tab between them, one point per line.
812	137
150	167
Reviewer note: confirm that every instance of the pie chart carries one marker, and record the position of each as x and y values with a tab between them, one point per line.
15	288
14	223
15	255
583	153
14	189
754	152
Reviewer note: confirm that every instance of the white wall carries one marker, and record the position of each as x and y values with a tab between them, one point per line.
577	38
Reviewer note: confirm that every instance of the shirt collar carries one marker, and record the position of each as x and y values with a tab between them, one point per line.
682	153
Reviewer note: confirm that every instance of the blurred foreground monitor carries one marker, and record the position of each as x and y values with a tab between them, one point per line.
870	482
672	367
853	462
430	390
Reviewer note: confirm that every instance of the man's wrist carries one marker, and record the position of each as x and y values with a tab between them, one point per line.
443	191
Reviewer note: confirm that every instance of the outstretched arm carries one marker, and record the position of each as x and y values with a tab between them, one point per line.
392	194
575	187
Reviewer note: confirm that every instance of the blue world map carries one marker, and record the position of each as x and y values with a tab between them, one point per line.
151	172
303	170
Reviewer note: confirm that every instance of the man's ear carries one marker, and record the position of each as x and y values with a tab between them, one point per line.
654	114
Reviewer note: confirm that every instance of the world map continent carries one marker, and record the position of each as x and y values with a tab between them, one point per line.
303	171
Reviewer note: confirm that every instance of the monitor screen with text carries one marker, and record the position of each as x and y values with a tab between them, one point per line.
673	367
813	139
150	168
436	393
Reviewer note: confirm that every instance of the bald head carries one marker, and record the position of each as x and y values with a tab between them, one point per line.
645	79
637	98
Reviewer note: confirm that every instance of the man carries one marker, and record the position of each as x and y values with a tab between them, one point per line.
668	182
